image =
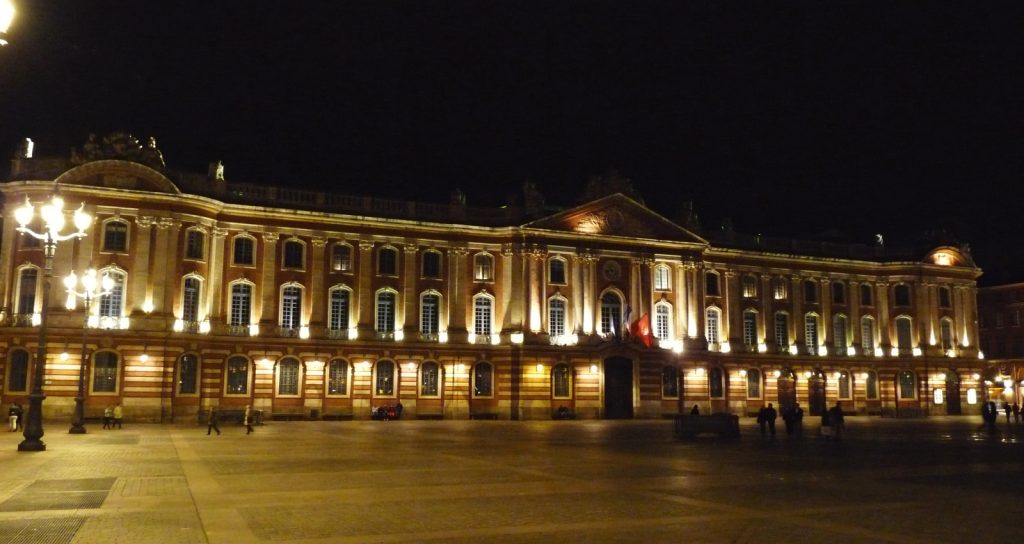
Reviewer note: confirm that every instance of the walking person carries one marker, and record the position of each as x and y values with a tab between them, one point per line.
762	420
248	419
770	417
211	421
837	421
787	418
798	419
118	416
1006	408
12	414
108	416
1016	412
989	414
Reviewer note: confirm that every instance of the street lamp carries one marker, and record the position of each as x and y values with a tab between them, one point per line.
52	215
7	12
91	289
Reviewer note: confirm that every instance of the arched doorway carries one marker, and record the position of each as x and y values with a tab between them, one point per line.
618	388
816	392
952	393
786	385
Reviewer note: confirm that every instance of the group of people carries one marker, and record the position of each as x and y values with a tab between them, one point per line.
833	423
113	416
15	414
213	417
387	412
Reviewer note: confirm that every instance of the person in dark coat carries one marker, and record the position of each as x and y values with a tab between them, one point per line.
695	411
1006	408
211	421
837	421
798	419
989	413
787	418
1016	413
770	418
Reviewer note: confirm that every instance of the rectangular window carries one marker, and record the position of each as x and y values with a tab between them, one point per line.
428	313
811	331
669	382
337	378
104	376
779	289
753	384
387	262
867	335
556	317
810	292
386	312
902	295
339	309
293	254
946	333
27	291
711	284
661	278
871	386
845	391
944	298
838	293
907	386
194	244
781	330
482	267
839	333
188	370
190	301
904	333
244	251
115	236
865	295
482	316
288	378
661	322
111	303
238	376
560	381
712	326
749	286
429	380
341	258
291	307
749	328
432	265
556	271
241	298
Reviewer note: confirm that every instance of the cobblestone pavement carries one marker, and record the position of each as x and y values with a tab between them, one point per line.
909	481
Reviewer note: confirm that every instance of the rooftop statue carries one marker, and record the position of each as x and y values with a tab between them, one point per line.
119	145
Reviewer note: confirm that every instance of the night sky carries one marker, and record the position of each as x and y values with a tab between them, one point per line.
791	118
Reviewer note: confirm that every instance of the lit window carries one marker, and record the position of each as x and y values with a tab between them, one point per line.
291	307
779	290
237	370
340	303
194	244
190	299
749	286
337	377
482	315
341	258
712	319
611	314
105	372
429	380
385	379
112	304
429	310
662	321
750	328
483	267
386	311
245	251
556	317
115	236
188	374
241	304
661	278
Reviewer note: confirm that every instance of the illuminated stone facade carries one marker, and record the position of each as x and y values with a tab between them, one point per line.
1001	322
320	305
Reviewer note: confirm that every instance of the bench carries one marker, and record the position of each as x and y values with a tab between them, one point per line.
429	414
483	415
724	425
337	414
296	413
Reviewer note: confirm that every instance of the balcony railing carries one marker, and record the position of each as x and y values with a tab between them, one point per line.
337	334
238	330
20	320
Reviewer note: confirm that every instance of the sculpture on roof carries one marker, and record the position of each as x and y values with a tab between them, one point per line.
119	145
610	183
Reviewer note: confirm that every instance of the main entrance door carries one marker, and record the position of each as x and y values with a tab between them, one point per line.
952	393
786	385
816	394
618	388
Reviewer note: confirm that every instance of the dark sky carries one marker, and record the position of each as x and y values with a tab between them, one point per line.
791	118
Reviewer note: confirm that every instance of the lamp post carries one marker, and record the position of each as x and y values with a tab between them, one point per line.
7	12
91	289
52	215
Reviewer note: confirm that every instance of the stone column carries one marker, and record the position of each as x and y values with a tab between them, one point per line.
364	291
586	260
694	300
971	336
928	317
163	285
767	315
635	300
141	281
682	317
512	287
854	301
796	297
731	327
405	316
457	294
214	309
959	312
268	287
825	334
317	313
882	304
575	319
10	241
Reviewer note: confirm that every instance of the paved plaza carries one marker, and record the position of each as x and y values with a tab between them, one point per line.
890	480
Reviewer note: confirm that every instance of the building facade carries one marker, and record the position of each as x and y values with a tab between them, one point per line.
1000	311
321	305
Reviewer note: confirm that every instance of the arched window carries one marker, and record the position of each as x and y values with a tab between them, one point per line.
483	314
867	334
237	380
432	264
195	244
244	251
430	379
663	321
337	377
17	371
115	236
241	304
901	295
711	284
294	254
556	316
749	286
845	386
611	314
111	305
839	333
716	382
384	379
341	257
27	287
288	377
871	385
904	333
907	385
750	327
483	267
191	291
387	261
946	333
669	382
782	329
811	331
291	306
386	311
188	374
662	278
838	292
753	383
712	324
483	380
430	309
105	371
556	271
865	295
561	381
341	302
810	292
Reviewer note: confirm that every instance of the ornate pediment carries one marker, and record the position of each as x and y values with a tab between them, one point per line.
616	215
118	174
